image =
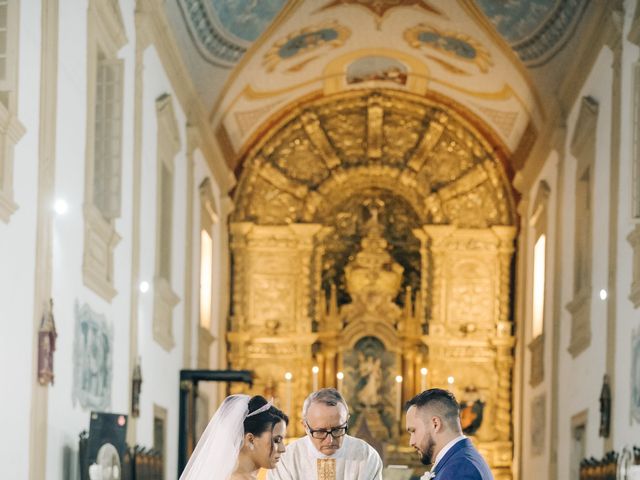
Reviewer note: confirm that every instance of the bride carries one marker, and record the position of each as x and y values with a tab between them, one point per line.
245	435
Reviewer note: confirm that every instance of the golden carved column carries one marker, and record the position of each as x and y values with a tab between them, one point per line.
504	340
469	336
271	322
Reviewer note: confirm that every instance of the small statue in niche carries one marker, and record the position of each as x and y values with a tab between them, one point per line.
136	388
46	346
605	407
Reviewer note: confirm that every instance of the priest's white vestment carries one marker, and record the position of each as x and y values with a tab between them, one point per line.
354	460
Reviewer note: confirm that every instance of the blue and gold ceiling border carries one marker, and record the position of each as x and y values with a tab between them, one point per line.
536	30
223	30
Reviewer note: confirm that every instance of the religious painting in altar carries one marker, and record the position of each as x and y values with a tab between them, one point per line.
369	387
471	410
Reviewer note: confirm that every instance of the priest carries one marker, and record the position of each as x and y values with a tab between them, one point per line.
327	452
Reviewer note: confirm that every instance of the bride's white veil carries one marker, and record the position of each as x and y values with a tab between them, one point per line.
216	453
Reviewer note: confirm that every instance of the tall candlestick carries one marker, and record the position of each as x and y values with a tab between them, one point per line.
340	377
399	397
423	379
314	372
288	376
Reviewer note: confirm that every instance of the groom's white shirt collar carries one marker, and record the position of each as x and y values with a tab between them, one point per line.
445	449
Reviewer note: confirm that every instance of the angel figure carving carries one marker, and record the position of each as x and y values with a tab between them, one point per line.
371	375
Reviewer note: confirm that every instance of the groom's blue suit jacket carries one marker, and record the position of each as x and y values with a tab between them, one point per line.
462	462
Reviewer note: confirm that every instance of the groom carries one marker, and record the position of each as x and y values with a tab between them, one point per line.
433	423
327	452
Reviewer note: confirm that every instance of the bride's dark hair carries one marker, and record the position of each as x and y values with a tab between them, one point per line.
265	421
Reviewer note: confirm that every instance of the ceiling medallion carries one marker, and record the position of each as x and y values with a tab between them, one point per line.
303	41
453	44
380	7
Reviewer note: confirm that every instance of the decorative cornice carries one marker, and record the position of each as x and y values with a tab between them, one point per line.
168	131
584	129
553	35
210	41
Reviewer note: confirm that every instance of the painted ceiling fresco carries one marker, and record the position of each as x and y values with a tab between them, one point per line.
256	58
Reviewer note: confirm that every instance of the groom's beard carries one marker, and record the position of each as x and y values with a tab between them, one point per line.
427	455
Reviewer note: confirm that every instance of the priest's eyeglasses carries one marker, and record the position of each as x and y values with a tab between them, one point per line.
335	432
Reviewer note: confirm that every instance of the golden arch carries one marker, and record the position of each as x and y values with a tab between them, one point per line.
398	188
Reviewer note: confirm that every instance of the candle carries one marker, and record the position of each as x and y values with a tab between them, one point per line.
288	376
450	380
340	377
399	397
423	379
314	372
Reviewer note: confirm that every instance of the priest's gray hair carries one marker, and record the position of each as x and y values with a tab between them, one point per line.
328	396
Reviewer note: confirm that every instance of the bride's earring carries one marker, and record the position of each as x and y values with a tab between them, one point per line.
251	446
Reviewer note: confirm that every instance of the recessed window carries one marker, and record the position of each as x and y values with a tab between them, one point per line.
539	252
107	137
206	257
103	165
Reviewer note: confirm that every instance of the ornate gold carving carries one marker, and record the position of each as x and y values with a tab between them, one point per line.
429	141
271	324
373	278
280	180
278	207
361	140
401	134
470	336
346	128
394	185
375	112
318	137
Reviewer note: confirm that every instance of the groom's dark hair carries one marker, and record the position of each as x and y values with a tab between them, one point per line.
442	402
264	421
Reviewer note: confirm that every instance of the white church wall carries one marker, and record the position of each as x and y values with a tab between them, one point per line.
625	431
160	367
536	440
581	377
17	260
69	411
218	271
